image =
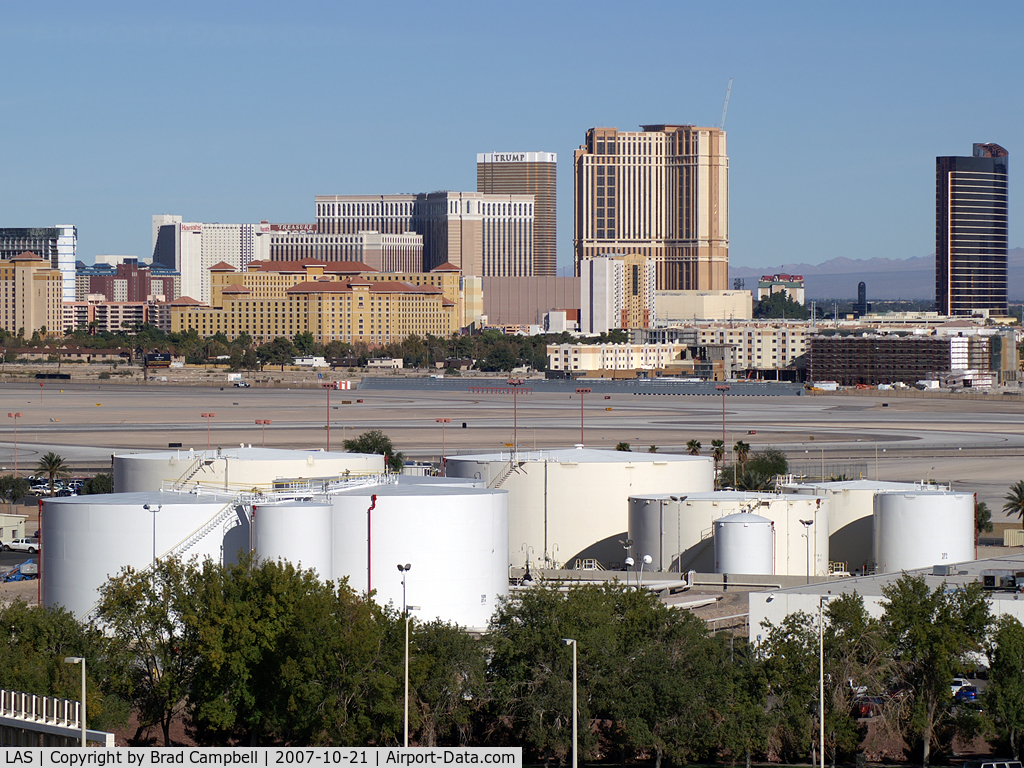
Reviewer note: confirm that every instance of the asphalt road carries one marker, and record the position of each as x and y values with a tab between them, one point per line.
978	446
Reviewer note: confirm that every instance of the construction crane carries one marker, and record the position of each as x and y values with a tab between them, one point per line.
725	107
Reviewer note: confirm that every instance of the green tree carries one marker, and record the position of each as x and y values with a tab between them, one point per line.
790	652
649	670
286	658
745	728
35	641
304	342
448	675
741	450
623	446
780	306
101	483
375	441
1005	690
53	467
717	452
1015	501
932	634
982	518
693	447
770	462
151	614
280	351
12	489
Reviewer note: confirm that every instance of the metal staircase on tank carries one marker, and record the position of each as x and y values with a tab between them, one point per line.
192	470
512	466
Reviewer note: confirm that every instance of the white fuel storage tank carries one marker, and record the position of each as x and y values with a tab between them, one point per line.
918	529
84	540
454	537
677	530
571	505
744	543
234	469
296	531
851	508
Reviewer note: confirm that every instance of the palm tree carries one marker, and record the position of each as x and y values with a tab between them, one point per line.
53	466
742	450
623	446
717	452
653	449
1015	501
693	447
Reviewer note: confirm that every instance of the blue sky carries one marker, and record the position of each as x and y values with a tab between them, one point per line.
237	112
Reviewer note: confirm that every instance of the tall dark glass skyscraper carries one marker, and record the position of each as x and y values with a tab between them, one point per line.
971	232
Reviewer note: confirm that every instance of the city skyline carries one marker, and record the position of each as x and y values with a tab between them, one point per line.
246	115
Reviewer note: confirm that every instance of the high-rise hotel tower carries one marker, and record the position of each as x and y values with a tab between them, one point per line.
526	173
662	192
971	232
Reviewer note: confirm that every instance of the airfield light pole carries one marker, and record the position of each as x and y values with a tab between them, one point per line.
207	416
581	392
263	423
15	416
723	388
515	384
442	422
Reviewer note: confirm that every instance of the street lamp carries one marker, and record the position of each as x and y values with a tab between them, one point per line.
581	392
629	561
15	416
821	677
404	569
723	388
807	534
442	422
679	536
79	660
263	423
149	508
575	737
207	416
640	579
515	384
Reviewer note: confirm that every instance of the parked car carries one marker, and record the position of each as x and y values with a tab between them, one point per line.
957	684
867	706
966	693
30	545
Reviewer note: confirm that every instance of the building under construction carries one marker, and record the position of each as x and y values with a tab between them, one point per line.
956	360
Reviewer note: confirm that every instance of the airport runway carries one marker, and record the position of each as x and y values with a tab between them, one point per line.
976	445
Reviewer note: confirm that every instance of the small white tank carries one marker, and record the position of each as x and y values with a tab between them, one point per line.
744	544
919	529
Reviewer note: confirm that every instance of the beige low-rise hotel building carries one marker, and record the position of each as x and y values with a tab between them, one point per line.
30	295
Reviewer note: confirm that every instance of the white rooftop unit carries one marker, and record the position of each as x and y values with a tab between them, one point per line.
569	506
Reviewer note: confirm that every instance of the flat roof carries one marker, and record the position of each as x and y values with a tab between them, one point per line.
417	490
581	455
247	453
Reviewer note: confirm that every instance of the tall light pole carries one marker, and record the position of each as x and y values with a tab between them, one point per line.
149	508
581	392
79	660
821	677
442	422
207	416
575	736
629	561
404	569
679	536
15	416
515	384
328	388
807	533
263	423
723	388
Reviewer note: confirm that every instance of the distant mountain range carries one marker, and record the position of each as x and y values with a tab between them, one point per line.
886	279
